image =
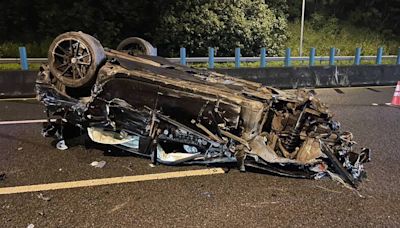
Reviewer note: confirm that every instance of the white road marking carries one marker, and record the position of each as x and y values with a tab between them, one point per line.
10	122
109	181
388	103
345	88
374	104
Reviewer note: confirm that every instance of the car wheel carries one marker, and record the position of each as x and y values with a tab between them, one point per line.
135	46
74	58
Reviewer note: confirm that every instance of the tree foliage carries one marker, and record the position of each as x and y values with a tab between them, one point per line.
195	24
379	15
199	24
109	20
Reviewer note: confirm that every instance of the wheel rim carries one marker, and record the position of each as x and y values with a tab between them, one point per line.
72	59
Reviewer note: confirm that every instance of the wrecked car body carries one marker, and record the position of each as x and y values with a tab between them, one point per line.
175	115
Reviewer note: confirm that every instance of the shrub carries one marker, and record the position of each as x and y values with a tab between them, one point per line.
34	49
345	37
199	24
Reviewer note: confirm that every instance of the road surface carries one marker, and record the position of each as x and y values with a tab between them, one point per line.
222	200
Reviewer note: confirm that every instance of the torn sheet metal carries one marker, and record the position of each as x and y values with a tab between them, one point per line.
174	114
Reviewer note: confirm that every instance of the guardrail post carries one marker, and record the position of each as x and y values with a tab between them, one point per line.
398	56
154	52
237	57
211	58
312	57
263	60
379	56
287	61
357	56
182	54
23	58
332	56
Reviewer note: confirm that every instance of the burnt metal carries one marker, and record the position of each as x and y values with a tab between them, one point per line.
175	115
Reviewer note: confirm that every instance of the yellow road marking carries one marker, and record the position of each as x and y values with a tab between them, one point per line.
19	99
108	181
8	122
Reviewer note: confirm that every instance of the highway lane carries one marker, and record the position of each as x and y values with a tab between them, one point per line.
231	199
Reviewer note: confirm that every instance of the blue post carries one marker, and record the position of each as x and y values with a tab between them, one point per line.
287	57
211	58
154	52
357	57
23	58
183	55
379	56
332	56
237	57
398	56
263	60
312	57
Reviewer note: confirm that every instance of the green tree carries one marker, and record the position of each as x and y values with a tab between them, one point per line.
199	24
108	20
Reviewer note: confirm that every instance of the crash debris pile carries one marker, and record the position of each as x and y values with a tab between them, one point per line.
174	114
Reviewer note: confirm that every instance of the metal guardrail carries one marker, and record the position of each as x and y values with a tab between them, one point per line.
275	59
18	60
263	59
229	59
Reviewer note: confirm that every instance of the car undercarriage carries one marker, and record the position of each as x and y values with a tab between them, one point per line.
174	114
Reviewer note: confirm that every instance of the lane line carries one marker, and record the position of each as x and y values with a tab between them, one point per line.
10	122
109	181
345	88
339	91
18	99
373	90
385	105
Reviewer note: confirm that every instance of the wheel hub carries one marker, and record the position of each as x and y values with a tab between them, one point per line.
73	60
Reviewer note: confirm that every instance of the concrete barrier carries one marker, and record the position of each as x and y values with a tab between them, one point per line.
21	83
17	83
319	76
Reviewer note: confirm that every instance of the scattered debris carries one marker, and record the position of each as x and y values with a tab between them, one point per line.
19	148
118	207
207	194
180	115
30	226
152	165
61	145
337	178
45	198
98	164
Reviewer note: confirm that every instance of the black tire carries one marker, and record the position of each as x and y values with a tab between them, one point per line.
74	58
135	45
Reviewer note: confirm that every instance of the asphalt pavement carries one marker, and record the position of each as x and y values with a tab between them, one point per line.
232	199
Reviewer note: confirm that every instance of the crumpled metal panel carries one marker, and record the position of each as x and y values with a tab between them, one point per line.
203	117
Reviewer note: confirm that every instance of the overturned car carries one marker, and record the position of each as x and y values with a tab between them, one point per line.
175	115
